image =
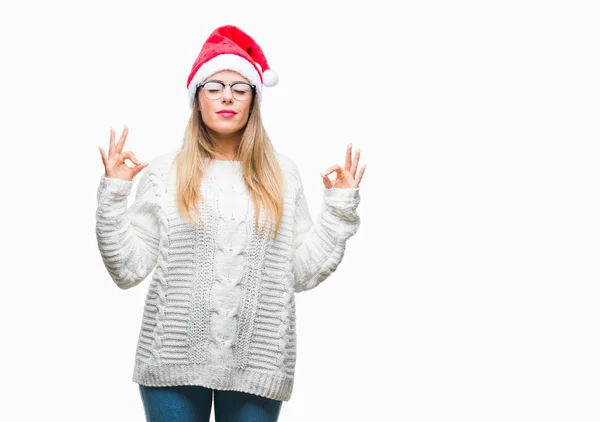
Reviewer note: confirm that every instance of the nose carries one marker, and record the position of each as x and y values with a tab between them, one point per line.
227	96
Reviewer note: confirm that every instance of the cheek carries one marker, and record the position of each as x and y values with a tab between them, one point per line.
246	112
207	113
204	106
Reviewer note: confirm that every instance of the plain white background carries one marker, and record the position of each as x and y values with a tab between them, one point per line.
469	293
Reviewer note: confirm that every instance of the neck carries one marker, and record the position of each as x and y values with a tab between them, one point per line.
226	146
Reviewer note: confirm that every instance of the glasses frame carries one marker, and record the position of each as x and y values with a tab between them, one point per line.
252	87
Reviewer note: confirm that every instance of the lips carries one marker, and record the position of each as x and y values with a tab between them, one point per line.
226	113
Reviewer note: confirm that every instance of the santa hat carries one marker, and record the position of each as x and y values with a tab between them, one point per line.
230	48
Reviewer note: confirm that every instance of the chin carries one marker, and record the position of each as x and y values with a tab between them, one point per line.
227	129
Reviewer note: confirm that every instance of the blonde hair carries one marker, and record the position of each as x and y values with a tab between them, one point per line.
262	174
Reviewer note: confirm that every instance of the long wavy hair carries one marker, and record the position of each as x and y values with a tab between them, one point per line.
262	174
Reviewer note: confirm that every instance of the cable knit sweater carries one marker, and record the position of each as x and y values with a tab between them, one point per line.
220	309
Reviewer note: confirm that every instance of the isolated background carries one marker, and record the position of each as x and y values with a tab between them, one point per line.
469	293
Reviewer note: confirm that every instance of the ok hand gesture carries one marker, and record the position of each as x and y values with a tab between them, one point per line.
114	164
346	177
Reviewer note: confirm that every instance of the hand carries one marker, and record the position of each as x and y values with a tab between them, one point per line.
114	164
346	177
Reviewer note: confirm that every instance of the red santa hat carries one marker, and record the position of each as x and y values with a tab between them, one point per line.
230	48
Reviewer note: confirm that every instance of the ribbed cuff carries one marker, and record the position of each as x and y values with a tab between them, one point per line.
342	201
266	385
115	188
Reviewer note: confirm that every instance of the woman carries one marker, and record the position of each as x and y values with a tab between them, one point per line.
225	225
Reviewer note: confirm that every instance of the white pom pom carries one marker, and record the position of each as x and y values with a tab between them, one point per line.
270	78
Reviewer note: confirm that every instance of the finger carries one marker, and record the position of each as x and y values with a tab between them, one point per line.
335	168
131	156
111	144
360	174
355	163
122	139
135	170
326	181
348	157
104	159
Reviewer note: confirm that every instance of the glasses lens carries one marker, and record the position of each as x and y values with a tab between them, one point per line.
213	90
241	91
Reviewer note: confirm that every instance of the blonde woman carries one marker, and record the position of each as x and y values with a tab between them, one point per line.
224	225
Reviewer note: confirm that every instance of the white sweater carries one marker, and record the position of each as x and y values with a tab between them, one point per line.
220	309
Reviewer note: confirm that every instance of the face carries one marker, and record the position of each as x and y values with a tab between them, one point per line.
227	115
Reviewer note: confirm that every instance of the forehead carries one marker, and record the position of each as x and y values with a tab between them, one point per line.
227	76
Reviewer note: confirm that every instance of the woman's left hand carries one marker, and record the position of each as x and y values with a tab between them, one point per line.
345	177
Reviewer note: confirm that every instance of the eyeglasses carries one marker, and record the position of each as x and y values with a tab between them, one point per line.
241	91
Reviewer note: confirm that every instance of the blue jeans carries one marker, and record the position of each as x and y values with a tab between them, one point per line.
191	403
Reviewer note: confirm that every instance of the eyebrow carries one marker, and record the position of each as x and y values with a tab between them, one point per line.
234	82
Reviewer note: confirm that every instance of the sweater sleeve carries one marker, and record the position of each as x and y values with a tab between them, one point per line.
128	238
319	246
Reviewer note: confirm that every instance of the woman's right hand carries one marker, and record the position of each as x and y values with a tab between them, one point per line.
114	163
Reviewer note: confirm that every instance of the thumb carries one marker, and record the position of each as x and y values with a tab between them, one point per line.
326	181
139	168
